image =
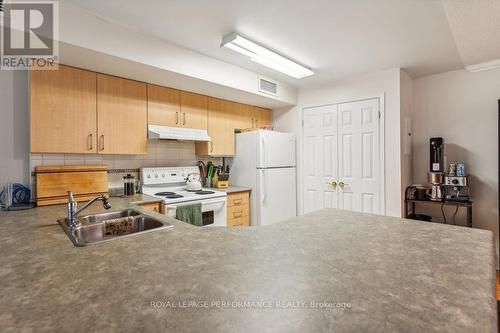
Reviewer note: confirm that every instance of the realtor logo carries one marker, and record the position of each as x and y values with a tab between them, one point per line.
29	35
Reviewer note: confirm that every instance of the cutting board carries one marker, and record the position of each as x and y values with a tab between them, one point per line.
85	181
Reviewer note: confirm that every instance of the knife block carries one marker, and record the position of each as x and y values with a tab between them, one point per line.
222	180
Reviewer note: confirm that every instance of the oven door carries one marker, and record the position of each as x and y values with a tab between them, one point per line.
214	211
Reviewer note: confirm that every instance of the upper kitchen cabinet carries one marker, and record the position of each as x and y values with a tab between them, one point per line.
220	129
122	115
224	117
242	116
164	106
63	111
261	117
194	110
175	108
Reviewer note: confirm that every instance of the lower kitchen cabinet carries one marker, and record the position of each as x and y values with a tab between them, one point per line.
238	212
154	207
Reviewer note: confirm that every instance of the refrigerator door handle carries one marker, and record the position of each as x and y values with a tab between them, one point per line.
262	187
263	151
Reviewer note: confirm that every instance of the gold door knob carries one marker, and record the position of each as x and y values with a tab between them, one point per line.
333	184
342	184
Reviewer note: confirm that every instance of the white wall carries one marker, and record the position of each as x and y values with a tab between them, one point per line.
385	83
462	107
111	38
406	102
14	124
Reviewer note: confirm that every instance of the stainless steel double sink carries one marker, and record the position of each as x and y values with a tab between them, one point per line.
109	226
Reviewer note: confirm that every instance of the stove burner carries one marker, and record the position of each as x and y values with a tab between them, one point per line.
173	196
165	193
204	192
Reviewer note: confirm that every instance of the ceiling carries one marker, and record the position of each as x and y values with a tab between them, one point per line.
336	38
476	28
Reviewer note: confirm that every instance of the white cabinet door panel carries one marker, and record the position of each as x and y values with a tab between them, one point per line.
341	144
359	156
321	161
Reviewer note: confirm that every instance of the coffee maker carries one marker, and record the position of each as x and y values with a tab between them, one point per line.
436	155
456	188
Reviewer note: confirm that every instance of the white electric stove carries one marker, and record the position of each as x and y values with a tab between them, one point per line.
169	184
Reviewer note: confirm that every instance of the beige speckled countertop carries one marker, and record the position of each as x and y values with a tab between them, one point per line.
326	271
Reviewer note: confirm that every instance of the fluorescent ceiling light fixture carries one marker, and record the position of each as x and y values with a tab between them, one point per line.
484	66
265	56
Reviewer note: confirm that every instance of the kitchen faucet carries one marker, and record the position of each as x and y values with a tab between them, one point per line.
73	209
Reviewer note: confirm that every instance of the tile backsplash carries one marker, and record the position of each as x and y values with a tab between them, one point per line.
160	153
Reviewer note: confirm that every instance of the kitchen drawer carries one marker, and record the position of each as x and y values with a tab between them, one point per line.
237	211
155	207
239	222
237	199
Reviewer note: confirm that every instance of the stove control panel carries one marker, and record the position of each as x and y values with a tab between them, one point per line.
166	175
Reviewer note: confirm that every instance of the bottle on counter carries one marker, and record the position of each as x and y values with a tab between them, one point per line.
128	185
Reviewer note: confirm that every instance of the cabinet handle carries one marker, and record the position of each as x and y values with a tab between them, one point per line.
184	118
252	123
91	144
237	214
211	146
101	142
237	201
177	117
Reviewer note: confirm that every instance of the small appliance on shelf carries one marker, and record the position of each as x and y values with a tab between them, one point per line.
435	192
457	189
456	184
436	154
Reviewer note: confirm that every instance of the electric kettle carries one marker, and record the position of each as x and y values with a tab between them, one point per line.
193	182
435	192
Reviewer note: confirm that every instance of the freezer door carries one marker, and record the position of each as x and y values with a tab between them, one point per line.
275	149
275	197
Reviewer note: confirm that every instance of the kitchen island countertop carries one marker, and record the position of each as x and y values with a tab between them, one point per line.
330	270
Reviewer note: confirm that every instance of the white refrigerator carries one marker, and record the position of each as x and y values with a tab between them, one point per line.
265	162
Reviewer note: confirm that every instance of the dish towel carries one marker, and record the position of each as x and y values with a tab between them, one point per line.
190	214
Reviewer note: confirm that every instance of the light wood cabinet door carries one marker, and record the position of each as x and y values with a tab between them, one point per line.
220	129
261	117
121	115
164	106
194	110
63	111
154	207
242	116
238	212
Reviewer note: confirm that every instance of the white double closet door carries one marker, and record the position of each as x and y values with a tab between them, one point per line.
342	157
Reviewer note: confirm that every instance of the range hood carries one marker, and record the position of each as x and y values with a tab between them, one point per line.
177	133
